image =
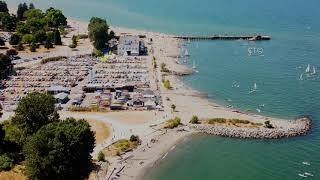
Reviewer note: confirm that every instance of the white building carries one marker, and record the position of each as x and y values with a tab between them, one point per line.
129	46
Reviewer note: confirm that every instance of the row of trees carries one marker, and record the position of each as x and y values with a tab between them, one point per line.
33	26
49	148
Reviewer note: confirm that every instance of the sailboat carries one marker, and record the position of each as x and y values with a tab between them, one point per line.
186	53
254	89
194	65
300	78
313	70
308	69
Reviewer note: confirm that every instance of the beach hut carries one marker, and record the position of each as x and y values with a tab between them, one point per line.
55	89
137	103
148	94
149	104
62	98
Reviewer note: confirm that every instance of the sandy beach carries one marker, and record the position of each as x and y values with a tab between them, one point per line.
156	141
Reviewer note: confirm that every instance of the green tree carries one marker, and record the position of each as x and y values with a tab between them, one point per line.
112	35
62	31
34	111
33	46
34	14
60	150
48	43
2	42
40	36
22	8
31	6
35	20
27	38
22	28
7	22
4	62
57	37
98	32
6	163
3	7
15	39
55	18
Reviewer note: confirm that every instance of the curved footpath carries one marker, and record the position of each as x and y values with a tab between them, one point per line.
303	126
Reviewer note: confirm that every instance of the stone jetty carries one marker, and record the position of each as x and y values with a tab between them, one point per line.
303	126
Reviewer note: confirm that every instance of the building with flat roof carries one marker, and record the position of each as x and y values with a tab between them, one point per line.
130	46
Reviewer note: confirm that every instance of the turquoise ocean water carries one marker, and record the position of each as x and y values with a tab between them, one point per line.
276	69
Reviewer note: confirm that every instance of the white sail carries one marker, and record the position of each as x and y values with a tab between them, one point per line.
255	86
194	65
300	78
313	70
186	53
308	68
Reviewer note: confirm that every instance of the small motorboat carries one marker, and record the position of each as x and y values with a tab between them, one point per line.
306	163
302	175
308	174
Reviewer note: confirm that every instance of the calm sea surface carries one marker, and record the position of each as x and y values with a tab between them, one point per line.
227	72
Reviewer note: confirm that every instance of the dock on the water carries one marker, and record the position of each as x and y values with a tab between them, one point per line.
225	37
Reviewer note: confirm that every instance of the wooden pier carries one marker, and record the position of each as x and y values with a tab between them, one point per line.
224	37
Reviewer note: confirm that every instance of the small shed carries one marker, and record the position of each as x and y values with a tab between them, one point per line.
57	89
62	98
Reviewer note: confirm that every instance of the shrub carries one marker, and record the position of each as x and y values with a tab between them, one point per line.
173	107
83	36
194	120
15	39
172	123
267	124
33	47
48	44
166	84
27	38
6	163
97	52
125	145
154	62
72	46
134	138
12	52
217	120
163	68
20	47
101	156
75	40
